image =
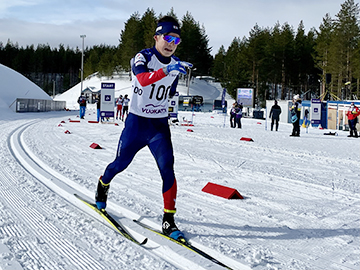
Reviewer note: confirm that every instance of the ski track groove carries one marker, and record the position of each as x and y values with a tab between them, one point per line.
48	231
40	228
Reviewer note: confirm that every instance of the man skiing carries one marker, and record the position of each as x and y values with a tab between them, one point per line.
155	74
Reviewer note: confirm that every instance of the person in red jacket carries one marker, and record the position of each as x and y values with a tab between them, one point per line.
352	115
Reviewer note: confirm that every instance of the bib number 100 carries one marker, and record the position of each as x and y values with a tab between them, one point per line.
159	93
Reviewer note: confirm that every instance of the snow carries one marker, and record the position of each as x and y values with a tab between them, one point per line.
300	208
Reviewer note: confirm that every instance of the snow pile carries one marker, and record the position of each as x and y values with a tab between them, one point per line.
209	91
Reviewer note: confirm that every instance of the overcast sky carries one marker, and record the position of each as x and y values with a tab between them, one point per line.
57	22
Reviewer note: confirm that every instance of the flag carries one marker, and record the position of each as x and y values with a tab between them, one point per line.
223	98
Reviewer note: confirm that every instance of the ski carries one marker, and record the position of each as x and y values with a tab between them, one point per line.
116	224
183	242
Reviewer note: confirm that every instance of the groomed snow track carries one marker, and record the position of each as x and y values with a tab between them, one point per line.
46	223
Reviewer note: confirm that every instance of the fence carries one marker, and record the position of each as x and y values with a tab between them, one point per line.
38	105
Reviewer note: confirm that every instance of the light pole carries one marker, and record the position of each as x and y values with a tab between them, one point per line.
82	62
188	90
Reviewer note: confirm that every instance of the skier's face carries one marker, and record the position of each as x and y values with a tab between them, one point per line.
163	47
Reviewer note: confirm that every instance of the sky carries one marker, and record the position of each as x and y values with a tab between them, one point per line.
57	22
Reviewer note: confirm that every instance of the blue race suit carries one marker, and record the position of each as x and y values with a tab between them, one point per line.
147	123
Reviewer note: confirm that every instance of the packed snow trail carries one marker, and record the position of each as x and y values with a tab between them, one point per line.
300	209
64	187
42	230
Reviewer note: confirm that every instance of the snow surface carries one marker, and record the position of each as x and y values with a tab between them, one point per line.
300	208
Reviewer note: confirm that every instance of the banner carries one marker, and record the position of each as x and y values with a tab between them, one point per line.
245	96
223	98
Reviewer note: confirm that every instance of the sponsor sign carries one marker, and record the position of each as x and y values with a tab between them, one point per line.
107	100
315	112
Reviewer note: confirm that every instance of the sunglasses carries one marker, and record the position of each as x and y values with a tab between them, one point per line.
170	39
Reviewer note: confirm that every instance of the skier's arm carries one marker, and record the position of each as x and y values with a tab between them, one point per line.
142	73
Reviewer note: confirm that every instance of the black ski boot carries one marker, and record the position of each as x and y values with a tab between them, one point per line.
169	228
101	194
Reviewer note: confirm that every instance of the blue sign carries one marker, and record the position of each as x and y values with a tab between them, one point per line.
107	97
107	85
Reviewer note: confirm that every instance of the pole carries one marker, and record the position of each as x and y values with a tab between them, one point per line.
53	89
82	63
188	90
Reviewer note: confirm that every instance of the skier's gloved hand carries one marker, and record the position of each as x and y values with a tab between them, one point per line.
179	66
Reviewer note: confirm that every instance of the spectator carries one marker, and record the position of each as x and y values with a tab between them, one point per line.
125	103
238	116
275	115
233	115
352	115
82	103
119	105
295	115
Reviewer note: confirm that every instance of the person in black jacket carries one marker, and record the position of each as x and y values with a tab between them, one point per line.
82	103
274	115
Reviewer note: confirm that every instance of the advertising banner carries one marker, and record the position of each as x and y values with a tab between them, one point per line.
245	96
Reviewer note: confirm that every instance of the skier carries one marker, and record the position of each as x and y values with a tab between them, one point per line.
274	115
82	103
125	103
352	115
155	74
295	115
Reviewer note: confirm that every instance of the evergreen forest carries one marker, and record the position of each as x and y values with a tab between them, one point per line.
277	62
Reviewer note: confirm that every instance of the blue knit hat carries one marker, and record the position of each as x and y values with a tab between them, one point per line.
167	27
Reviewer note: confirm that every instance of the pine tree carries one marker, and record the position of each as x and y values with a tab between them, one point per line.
322	49
131	40
344	46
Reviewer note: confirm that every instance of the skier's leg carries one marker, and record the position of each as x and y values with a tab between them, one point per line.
130	143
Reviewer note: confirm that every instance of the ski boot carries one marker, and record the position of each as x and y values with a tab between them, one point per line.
101	194
169	228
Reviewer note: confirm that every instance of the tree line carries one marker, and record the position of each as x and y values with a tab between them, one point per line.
138	34
277	62
45	66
